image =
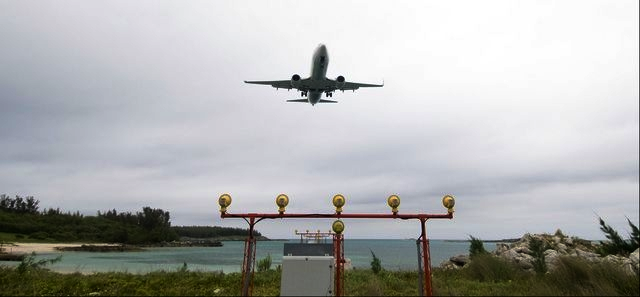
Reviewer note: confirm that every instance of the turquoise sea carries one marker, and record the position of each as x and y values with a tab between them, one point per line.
394	254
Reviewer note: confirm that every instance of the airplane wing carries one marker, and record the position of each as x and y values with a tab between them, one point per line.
278	84
354	86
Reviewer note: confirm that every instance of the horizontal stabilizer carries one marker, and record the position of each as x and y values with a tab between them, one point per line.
327	101
298	100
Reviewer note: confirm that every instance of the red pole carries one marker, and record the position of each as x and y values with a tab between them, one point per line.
339	256
426	261
249	260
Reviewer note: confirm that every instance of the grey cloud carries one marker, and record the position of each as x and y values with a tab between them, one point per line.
123	105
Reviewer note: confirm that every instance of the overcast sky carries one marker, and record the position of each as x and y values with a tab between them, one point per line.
525	111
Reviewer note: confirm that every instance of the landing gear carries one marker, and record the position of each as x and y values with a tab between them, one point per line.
303	94
329	94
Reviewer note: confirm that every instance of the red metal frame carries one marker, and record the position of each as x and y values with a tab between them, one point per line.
424	258
338	253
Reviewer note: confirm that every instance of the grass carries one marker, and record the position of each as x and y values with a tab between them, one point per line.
484	276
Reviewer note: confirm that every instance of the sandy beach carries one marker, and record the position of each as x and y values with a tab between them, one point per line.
27	248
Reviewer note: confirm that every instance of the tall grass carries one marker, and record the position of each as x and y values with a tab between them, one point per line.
485	276
488	268
577	277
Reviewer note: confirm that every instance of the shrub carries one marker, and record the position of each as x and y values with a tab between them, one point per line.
476	248
537	246
616	244
376	264
29	263
489	268
264	264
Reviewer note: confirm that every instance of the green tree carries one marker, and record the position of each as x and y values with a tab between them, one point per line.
537	246
376	264
476	247
616	244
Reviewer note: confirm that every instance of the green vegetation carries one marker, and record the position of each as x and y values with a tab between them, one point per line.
486	276
21	220
476	247
537	247
211	231
573	277
29	263
616	244
264	264
376	264
488	268
20	217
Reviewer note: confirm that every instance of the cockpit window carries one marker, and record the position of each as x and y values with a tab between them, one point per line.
322	59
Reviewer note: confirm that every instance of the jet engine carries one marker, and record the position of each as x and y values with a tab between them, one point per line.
295	81
340	82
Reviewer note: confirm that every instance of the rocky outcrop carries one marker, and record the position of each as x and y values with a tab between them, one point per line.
554	247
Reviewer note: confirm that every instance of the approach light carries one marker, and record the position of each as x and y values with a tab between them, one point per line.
337	226
282	201
448	201
393	201
224	201
338	201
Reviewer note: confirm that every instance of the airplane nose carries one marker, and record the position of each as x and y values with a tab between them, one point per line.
322	48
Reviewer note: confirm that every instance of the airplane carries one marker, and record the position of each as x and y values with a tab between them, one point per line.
312	87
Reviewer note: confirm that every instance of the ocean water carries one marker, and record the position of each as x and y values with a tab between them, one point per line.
394	255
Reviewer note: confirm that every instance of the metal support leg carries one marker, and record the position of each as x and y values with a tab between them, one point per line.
338	252
420	269
424	259
249	261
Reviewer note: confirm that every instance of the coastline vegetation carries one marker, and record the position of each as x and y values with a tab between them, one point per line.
21	220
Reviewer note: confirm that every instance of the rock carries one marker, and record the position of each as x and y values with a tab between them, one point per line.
455	262
448	265
558	246
551	258
589	256
525	261
635	261
561	248
568	241
613	259
510	254
628	268
501	248
459	260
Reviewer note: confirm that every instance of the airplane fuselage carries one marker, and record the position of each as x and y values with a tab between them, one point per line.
319	65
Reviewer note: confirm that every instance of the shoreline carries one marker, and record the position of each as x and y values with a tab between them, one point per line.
48	248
